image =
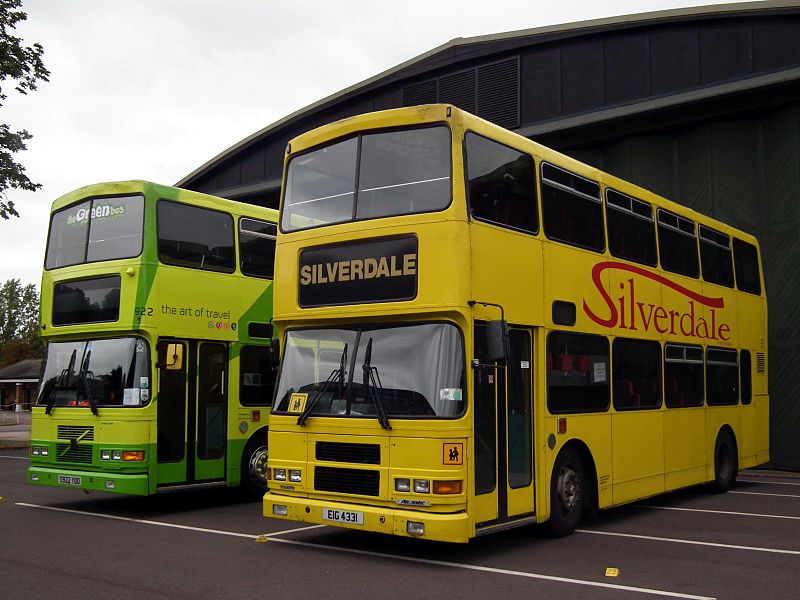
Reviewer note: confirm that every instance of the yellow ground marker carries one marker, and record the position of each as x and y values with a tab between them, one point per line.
612	572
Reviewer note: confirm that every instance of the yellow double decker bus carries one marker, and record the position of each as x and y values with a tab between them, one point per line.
156	305
479	333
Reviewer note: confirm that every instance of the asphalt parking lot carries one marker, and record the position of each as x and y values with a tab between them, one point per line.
209	544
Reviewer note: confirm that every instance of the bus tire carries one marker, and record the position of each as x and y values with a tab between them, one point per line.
567	493
726	462
254	467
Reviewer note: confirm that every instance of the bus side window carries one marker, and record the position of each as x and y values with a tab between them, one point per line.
745	373
579	379
257	247
631	230
257	378
683	376
636	374
745	259
195	237
572	211
677	244
715	257
502	184
722	377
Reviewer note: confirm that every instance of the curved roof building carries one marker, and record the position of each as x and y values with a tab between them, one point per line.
700	105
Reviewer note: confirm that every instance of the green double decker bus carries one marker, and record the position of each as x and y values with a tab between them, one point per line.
156	306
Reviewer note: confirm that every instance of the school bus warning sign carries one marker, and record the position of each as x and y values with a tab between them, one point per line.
453	453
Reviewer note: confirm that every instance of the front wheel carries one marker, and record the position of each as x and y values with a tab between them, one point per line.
726	463
567	494
254	468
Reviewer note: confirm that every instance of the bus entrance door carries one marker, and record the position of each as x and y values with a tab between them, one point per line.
191	411
504	432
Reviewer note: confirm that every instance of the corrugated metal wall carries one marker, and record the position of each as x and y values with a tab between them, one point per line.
745	172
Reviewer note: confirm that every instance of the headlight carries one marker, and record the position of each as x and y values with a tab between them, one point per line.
422	486
117	455
105	455
280	474
35	450
294	476
402	485
43	451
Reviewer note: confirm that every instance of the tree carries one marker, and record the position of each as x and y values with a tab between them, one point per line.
22	66
19	322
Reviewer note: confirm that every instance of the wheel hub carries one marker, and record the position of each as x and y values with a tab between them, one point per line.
257	466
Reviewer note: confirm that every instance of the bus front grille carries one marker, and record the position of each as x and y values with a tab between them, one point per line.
74	453
84	433
347	481
367	454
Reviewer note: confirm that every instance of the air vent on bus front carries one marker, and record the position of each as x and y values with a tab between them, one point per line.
347	481
368	454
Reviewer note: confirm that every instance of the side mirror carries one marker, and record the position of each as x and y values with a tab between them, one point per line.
274	354
496	341
173	360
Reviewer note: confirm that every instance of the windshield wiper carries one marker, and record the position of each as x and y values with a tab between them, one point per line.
336	375
372	383
83	381
63	379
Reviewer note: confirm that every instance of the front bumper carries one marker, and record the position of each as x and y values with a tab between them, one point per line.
89	480
444	527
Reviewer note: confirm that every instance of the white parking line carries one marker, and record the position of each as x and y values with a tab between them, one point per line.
766	494
691	542
285	531
468	567
132	520
15	457
722	512
768	482
393	557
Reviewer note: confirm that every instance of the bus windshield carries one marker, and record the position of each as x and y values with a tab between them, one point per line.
95	230
370	176
403	371
91	373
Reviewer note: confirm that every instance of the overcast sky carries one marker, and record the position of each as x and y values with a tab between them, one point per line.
152	89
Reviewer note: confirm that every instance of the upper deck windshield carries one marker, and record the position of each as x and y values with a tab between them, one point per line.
92	373
404	371
95	230
369	176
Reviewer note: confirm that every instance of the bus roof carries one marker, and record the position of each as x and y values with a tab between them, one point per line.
138	186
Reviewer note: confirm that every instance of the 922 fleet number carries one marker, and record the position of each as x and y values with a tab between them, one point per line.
142	311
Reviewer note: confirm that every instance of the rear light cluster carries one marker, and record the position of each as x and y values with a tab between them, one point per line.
291	475
123	455
423	486
39	451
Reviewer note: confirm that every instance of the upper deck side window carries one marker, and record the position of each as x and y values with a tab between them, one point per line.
369	176
631	228
677	244
501	184
715	256
196	237
745	260
94	230
257	247
572	211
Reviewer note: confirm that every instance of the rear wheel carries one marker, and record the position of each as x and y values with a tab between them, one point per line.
567	494
254	467
726	463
